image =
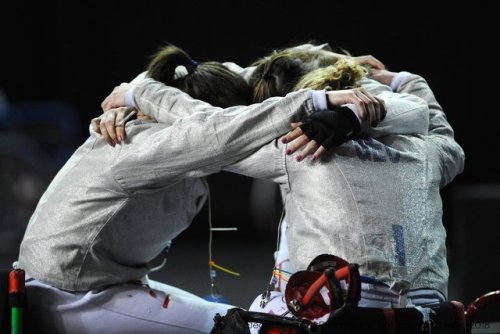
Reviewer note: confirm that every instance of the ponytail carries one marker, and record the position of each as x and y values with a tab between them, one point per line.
209	81
169	64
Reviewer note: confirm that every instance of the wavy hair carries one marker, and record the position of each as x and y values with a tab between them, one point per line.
343	74
287	70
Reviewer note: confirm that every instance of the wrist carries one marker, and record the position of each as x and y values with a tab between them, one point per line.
320	100
129	99
397	79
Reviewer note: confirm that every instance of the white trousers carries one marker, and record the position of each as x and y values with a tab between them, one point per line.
372	295
125	308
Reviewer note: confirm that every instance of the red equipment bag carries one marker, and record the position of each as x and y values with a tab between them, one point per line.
316	292
483	314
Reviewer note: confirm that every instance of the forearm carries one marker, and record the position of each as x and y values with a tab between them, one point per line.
167	104
440	131
418	86
210	138
406	114
160	102
267	163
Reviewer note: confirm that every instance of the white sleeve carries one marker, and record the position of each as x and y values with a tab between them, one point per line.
207	140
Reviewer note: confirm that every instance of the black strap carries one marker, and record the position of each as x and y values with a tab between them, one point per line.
353	295
236	322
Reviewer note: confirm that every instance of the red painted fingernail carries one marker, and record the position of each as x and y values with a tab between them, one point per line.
298	158
288	151
284	140
314	158
166	301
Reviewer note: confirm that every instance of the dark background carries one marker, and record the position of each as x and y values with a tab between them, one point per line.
68	56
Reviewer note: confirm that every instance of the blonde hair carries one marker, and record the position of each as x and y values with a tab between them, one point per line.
343	74
287	70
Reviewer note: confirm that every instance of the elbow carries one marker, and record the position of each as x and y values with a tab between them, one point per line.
453	167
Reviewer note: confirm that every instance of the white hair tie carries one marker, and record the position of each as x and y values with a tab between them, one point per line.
180	72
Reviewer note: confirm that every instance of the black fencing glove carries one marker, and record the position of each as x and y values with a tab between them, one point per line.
331	127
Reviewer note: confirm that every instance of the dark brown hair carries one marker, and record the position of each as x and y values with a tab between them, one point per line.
209	81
